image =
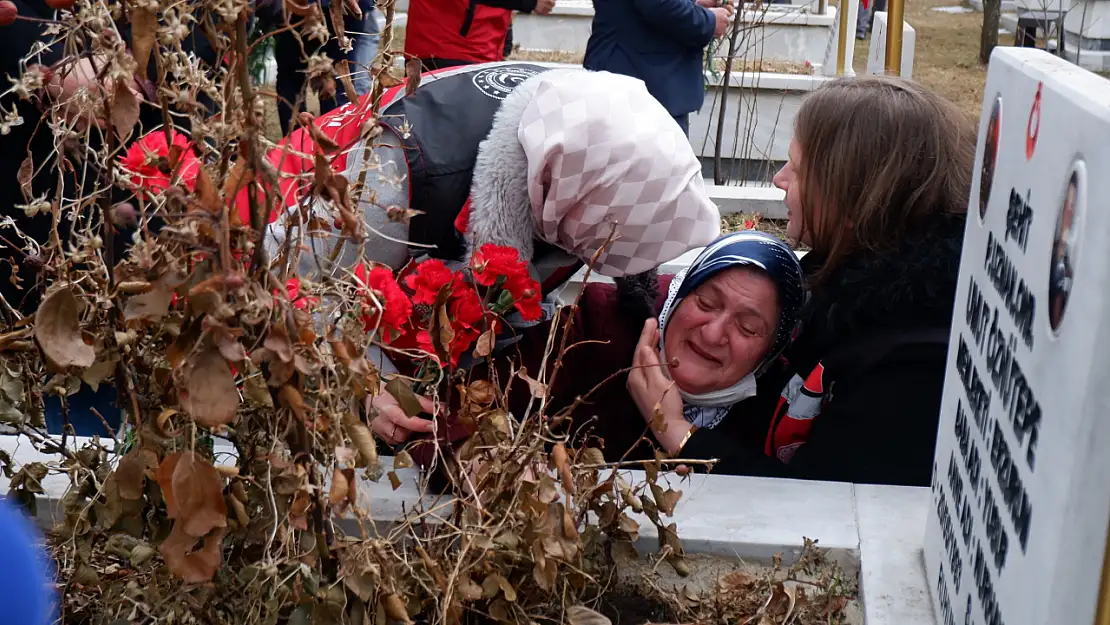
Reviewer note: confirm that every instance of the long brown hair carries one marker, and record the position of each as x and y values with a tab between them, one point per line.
883	154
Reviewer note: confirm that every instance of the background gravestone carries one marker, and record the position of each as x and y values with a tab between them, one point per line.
1021	483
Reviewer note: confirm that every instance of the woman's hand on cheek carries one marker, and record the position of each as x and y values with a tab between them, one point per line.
655	394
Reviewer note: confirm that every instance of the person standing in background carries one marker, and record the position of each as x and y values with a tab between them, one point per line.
448	33
291	53
365	41
866	21
660	42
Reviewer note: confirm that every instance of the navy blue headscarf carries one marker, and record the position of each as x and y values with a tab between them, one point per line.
749	248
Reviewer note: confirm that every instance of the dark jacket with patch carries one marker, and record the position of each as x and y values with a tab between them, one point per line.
441	124
857	396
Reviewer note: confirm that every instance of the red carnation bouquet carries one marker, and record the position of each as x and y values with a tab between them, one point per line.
444	313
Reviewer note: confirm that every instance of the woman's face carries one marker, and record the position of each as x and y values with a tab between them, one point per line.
788	180
721	331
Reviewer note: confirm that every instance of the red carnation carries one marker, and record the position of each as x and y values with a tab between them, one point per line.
293	292
429	278
392	310
496	261
526	296
143	156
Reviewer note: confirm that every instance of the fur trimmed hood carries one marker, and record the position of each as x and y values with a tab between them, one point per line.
573	153
911	284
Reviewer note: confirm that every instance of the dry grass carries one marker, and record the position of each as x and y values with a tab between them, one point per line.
765	65
946	57
753	221
546	56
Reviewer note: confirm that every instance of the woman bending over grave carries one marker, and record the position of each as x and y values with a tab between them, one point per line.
545	161
877	186
549	162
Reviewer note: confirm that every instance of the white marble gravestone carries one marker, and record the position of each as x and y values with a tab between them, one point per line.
876	50
1021	487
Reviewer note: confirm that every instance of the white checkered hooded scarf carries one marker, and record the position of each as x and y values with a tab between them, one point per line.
601	151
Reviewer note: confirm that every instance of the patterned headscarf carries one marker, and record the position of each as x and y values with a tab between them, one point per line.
602	150
747	248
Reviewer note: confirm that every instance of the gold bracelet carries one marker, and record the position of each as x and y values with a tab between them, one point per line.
685	439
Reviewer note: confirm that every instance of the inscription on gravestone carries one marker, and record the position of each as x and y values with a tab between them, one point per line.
1017	528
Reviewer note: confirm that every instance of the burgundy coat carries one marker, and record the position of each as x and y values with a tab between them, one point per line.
602	340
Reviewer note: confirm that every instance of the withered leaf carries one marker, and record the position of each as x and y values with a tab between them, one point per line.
140	554
537	388
58	333
405	396
109	510
125	109
300	9
144	31
294	401
386	79
402	460
346	455
196	567
198	493
581	615
395	608
562	464
835	605
494	583
413	69
96	374
230	347
401	215
298	509
344	489
570	528
485	344
665	500
240	511
546	492
323	141
277	341
340	485
628	526
481	392
592	456
207	193
239	176
24	176
445	335
791	593
149	306
363	440
468	589
394	480
131	472
658	421
362	584
210	396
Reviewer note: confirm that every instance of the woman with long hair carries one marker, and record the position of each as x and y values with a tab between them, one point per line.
877	186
